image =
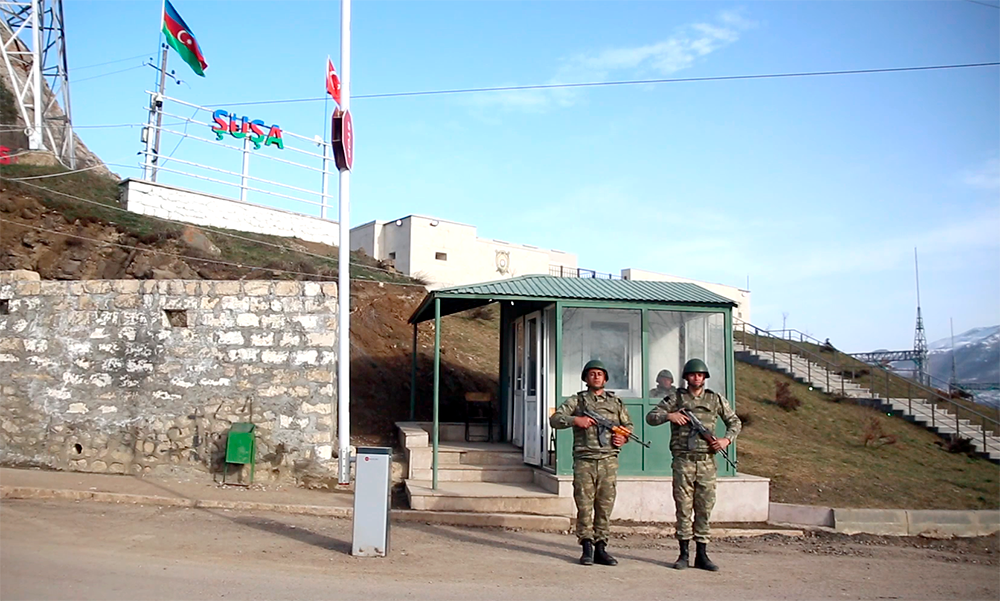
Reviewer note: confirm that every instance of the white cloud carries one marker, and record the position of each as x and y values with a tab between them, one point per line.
984	177
681	50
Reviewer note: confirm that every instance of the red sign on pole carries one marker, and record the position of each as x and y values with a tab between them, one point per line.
343	140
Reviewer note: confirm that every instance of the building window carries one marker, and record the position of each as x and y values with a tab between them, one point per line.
392	256
441	256
177	318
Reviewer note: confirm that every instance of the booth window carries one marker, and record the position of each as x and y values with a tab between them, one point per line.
441	256
611	335
675	337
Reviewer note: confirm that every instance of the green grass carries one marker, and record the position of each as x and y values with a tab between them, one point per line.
252	252
815	454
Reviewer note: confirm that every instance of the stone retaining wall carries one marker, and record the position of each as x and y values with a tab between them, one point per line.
129	376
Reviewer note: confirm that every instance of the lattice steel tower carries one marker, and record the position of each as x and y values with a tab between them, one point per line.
919	336
33	39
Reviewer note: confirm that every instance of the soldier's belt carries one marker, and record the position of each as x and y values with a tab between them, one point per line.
693	456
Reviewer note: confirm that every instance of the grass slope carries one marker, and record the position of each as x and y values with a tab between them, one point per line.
815	454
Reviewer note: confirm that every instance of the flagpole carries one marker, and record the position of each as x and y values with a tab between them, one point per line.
157	101
343	269
326	146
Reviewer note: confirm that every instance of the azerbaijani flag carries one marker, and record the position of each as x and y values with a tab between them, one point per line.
181	39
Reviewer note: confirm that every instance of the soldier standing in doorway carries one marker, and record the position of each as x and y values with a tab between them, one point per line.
694	467
595	460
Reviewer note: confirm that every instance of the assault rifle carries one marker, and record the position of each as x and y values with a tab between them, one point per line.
604	426
699	428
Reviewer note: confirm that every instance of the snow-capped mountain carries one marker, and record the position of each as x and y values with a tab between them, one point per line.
977	359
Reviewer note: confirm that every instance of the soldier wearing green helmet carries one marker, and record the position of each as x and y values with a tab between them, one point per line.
694	468
595	462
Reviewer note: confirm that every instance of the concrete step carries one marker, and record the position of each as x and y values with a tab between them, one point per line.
477	473
537	523
487	497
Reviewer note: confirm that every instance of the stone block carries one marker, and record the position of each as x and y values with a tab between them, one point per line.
27	288
257	288
287	289
329	289
127	301
321	339
226	288
248	320
311	288
18	275
125	286
52	288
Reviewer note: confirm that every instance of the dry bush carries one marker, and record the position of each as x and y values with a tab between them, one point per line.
746	418
954	443
784	398
873	435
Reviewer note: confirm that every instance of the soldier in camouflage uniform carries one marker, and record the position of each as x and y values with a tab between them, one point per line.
664	385
595	461
693	458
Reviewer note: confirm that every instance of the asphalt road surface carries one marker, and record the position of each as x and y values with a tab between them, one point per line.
85	550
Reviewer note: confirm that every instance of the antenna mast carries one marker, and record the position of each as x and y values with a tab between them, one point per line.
919	336
33	49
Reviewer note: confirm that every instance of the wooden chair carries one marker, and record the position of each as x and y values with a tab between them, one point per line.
479	411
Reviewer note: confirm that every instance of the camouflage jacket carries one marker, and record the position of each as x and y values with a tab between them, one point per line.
586	443
707	408
660	392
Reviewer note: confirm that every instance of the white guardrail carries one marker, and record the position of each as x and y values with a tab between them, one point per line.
258	141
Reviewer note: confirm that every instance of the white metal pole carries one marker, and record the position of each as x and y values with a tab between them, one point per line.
326	180
246	169
36	140
147	163
343	276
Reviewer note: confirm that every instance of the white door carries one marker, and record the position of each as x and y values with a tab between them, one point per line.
517	385
533	387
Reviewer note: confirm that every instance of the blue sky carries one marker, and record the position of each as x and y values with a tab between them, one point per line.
817	188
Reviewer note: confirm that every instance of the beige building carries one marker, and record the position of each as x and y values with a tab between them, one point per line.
448	253
738	295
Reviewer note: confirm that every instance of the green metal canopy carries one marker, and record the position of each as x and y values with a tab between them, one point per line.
551	288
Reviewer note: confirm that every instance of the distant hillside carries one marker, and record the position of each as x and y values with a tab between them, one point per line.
977	356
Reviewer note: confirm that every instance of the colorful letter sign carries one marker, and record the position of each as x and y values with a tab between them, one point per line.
228	123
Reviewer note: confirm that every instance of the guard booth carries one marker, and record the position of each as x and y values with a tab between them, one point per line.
551	326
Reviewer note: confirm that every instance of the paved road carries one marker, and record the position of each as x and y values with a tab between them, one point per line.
66	550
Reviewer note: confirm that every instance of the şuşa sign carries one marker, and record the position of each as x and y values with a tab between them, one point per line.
243	127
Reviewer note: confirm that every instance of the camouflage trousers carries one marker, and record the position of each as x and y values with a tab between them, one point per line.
694	495
594	486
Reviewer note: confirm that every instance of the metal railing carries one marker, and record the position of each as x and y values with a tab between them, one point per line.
577	272
763	343
313	155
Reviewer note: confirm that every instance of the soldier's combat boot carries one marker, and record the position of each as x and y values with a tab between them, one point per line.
601	555
701	560
682	559
587	558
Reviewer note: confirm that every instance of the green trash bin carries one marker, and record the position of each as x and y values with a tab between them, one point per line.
241	448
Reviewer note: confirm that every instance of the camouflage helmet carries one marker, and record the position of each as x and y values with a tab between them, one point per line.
695	366
593	364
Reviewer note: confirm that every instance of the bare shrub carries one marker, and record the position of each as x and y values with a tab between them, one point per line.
784	398
873	435
745	417
954	443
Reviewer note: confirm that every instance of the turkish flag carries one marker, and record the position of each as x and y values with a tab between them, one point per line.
332	81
